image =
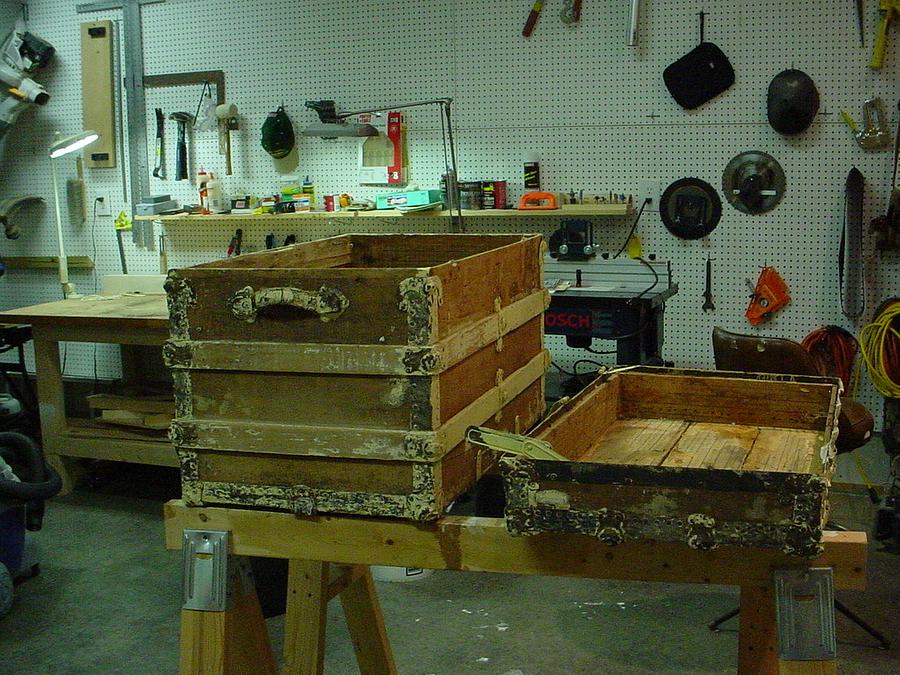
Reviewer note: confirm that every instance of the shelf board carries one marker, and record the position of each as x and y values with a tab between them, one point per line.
566	210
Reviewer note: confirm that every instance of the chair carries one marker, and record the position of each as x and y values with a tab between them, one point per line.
752	353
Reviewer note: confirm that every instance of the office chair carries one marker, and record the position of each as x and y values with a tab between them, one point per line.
752	353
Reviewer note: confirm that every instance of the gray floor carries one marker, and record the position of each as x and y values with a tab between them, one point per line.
107	601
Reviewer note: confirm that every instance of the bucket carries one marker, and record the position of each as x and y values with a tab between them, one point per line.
399	574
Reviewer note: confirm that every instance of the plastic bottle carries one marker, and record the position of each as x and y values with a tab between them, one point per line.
215	196
202	180
309	189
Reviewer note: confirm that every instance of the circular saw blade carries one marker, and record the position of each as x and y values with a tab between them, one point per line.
753	182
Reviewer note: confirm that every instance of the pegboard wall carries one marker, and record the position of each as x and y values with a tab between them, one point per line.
594	111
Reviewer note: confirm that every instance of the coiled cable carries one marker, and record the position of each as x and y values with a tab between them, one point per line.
880	348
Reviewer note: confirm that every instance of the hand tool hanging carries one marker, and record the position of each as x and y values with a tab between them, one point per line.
861	21
531	21
889	10
570	14
159	171
875	134
181	156
708	305
851	278
769	295
887	227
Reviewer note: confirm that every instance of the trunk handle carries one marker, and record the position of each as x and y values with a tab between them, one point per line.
329	303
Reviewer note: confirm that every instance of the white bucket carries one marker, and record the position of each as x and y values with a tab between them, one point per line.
399	574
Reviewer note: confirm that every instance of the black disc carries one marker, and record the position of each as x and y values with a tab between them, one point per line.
690	208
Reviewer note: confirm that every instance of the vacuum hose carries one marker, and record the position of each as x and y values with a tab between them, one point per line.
38	480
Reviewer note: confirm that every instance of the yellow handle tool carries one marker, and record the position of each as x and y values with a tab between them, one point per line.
889	9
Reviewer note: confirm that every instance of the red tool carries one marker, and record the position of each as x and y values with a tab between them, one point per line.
538	201
532	18
770	295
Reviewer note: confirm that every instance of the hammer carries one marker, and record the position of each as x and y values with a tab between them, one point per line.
182	118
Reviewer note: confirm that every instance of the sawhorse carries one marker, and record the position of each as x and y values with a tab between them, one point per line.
228	641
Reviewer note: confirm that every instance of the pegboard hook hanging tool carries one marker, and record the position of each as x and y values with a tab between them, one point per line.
634	17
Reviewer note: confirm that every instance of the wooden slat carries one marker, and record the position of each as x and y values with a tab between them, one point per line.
575	428
364	359
46	262
387	444
373	315
483	544
789	450
712	446
133	312
150	404
329	252
720	398
636	441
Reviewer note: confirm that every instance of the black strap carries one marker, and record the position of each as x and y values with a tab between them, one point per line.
853	293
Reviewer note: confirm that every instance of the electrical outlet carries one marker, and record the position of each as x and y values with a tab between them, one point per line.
652	188
103	207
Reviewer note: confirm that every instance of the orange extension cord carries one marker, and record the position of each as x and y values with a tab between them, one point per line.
834	351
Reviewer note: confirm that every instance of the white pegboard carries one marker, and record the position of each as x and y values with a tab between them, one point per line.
594	110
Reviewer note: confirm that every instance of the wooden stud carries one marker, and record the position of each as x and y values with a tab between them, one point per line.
224	643
304	622
366	625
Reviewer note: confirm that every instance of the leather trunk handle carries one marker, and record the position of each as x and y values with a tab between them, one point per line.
327	302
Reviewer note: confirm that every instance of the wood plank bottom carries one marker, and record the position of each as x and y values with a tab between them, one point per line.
669	442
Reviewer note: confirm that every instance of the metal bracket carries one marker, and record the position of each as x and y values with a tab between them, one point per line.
204	555
804	602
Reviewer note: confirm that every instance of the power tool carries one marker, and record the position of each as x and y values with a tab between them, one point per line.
20	56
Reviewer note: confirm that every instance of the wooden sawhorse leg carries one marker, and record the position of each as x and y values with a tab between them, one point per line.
235	641
309	590
758	639
229	642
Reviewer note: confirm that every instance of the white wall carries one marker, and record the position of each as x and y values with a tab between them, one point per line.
594	109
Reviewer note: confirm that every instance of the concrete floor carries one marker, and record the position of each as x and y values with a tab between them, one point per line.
108	601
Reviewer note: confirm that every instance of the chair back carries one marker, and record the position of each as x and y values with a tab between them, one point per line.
755	354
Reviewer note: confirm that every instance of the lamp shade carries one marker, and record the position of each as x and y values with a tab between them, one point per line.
65	146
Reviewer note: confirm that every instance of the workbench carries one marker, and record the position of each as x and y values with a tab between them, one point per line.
129	319
234	639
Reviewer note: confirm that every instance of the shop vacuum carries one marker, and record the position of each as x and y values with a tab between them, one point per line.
26	480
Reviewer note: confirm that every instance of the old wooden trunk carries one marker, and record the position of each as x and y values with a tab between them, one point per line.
340	375
707	458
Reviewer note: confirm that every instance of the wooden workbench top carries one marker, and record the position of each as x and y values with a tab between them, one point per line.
129	310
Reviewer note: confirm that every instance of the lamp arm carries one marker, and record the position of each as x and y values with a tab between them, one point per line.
436	101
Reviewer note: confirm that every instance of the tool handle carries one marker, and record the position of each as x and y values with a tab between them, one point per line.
532	18
327	302
850	121
181	161
881	41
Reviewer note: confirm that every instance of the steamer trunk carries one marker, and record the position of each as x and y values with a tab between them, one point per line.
699	457
340	375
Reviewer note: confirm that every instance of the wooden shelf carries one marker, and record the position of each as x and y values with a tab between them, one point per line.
565	211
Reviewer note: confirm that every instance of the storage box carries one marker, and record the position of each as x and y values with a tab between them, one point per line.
701	457
413	198
340	375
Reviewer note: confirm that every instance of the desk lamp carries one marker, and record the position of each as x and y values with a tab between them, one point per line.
60	148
